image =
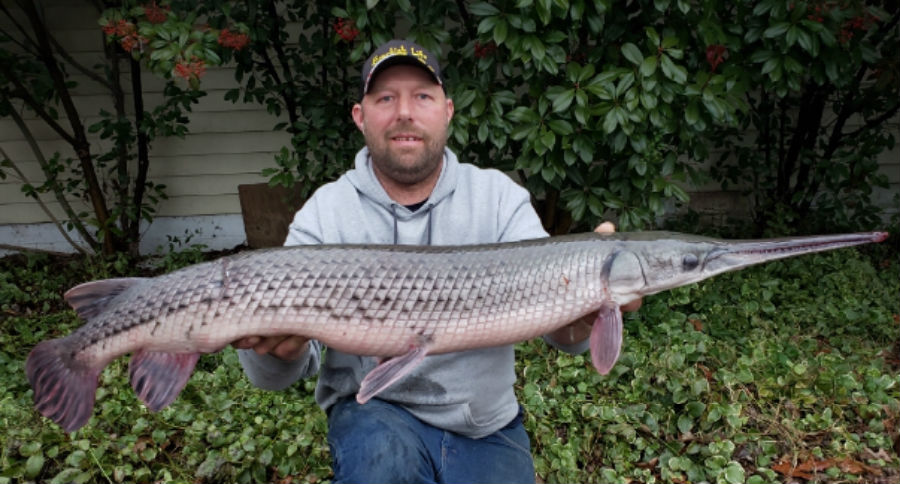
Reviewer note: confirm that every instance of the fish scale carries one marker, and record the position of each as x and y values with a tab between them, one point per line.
380	299
389	301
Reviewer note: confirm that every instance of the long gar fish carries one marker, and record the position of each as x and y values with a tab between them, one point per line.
395	302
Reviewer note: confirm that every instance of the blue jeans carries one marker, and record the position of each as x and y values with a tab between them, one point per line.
380	442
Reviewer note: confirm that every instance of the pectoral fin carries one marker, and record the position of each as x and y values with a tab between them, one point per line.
391	370
606	337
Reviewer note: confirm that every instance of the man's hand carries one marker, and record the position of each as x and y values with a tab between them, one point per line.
287	348
580	330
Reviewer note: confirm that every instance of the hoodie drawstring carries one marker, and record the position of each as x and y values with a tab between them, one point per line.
396	230
428	226
430	212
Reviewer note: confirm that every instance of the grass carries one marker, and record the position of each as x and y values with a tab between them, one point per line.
776	373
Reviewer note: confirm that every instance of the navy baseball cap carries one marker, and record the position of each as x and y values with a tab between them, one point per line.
399	52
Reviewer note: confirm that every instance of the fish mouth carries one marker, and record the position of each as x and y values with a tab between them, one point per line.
801	245
742	253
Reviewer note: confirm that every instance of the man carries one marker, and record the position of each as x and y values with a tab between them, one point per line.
455	418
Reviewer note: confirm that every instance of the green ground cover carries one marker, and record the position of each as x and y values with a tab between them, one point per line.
783	372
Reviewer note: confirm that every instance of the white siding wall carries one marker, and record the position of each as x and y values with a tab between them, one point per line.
228	144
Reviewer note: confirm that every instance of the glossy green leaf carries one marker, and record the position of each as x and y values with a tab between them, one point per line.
648	66
648	100
652	36
561	127
561	99
671	70
500	31
610	122
483	9
777	30
464	99
487	24
632	53
34	465
734	473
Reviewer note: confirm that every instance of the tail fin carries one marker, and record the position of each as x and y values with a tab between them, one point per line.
64	389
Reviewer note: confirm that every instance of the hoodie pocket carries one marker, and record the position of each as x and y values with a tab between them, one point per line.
486	424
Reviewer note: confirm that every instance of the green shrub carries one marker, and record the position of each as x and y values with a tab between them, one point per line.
606	110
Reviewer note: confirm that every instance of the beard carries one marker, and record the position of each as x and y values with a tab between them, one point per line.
407	166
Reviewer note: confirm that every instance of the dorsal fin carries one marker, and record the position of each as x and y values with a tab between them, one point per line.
90	299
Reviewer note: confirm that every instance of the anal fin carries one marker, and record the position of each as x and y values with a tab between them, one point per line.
391	370
159	377
606	337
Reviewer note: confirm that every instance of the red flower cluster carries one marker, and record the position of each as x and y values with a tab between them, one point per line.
484	50
154	13
346	29
816	16
815	11
846	35
715	55
129	43
233	40
120	28
127	33
196	68
861	23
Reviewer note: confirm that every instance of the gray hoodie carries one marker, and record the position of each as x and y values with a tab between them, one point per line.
469	392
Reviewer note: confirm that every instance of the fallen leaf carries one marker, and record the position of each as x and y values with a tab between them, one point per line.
852	466
807	470
824	346
698	325
141	443
785	469
870	454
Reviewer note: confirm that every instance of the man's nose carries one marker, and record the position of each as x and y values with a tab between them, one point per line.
404	107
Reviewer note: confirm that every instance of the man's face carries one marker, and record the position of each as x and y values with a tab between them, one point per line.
404	118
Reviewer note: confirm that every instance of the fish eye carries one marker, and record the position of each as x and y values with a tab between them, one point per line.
690	262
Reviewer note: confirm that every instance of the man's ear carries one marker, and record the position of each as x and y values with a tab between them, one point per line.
357	114
450	110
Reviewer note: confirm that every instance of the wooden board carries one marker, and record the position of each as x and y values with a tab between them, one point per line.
267	213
